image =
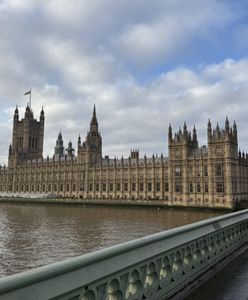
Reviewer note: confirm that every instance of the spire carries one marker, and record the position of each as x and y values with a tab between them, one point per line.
94	110
94	119
227	125
184	127
16	115
79	140
180	131
217	130
94	123
209	130
194	134
170	133
194	138
42	114
234	127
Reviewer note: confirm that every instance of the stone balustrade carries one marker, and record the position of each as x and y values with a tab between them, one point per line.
158	266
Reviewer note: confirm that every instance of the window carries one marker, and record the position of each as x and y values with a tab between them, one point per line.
177	171
205	170
190	171
104	187
178	187
220	188
198	171
133	186
198	188
97	187
61	187
149	186
125	186
111	187
158	187
206	188
166	186
68	187
191	187
118	187
141	185
219	170
55	187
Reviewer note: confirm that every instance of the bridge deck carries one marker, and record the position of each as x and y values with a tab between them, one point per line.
228	285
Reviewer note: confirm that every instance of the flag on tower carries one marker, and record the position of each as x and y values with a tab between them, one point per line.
28	92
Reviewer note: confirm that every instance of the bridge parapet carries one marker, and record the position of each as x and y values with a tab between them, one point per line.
158	266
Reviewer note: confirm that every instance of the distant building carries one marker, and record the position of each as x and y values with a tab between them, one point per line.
215	175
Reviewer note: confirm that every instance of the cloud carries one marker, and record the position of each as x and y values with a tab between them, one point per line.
170	32
127	58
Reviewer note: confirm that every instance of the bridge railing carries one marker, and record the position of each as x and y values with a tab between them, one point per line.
153	267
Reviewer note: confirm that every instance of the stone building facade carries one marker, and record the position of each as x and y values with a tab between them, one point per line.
215	175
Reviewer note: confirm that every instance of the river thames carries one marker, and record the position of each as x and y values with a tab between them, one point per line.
36	235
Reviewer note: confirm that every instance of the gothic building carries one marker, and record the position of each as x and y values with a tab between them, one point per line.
215	175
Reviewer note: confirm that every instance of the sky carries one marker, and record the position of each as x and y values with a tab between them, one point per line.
144	64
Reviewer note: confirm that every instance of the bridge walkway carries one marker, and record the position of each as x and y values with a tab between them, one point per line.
231	283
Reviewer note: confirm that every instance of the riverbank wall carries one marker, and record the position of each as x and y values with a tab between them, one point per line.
107	202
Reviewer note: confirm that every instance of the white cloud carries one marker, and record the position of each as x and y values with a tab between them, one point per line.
74	53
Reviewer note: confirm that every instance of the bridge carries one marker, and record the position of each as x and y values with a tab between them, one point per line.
166	265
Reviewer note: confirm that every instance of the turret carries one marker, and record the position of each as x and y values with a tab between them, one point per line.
185	130
16	114
235	133
209	131
170	134
194	140
59	148
79	140
134	154
42	115
70	150
227	126
28	113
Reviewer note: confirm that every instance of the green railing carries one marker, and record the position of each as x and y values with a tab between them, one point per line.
153	267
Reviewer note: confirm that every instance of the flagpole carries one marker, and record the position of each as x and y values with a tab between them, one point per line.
30	97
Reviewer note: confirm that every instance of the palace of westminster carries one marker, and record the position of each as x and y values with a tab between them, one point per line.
215	175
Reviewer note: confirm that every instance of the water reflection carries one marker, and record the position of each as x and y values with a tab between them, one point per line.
36	235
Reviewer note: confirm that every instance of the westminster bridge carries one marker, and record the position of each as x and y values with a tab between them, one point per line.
166	265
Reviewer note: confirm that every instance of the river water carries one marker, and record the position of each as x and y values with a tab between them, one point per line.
36	235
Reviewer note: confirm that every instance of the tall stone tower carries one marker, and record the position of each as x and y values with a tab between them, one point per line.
222	156
181	147
27	137
90	151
